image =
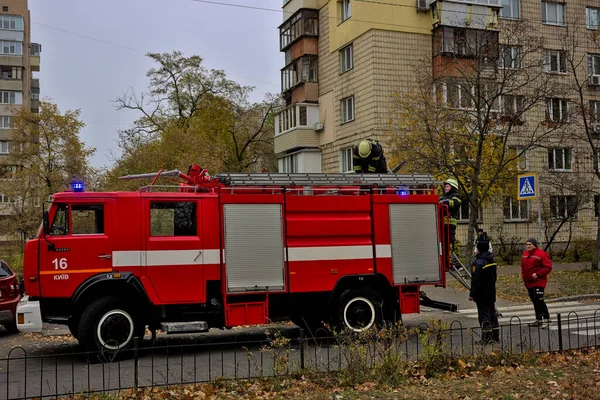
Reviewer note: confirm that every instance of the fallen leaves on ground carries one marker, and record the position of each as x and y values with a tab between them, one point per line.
572	375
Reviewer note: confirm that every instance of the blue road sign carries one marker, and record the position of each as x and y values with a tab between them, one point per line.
528	187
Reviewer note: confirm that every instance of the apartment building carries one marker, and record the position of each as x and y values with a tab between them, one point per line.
345	58
19	63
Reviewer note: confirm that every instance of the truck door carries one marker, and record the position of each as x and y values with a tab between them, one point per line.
174	254
77	247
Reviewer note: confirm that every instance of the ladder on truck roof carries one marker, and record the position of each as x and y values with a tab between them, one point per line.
324	179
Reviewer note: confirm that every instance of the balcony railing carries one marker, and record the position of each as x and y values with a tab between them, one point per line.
299	115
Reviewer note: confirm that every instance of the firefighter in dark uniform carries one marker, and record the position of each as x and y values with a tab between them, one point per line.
452	199
368	158
483	292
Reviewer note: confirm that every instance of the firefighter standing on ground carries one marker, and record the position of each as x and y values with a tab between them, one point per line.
452	199
368	158
535	268
483	292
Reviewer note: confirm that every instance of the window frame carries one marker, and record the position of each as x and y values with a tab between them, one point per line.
512	11
345	10
345	117
346	158
74	208
465	219
561	61
559	6
347	54
563	110
566	155
514	203
515	59
555	209
588	17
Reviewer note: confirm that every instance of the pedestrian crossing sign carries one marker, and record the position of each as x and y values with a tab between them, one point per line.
528	187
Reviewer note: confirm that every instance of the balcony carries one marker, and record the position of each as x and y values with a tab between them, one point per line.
35	50
303	23
477	14
295	127
301	70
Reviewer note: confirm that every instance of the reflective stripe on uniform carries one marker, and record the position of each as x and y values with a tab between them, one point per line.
490	265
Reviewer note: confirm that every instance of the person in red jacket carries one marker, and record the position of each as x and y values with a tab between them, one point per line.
535	267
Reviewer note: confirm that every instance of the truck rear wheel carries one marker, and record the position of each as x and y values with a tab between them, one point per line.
360	310
108	325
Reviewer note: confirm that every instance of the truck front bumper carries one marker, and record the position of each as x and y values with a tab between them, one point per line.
29	315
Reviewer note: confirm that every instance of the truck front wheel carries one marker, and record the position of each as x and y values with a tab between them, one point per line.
360	310
108	325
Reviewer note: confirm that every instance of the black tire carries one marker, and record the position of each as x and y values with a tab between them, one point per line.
360	310
108	326
11	327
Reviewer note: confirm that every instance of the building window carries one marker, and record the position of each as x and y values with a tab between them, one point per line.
594	113
11	48
346	58
5	121
11	73
596	200
11	98
562	207
345	10
457	95
510	9
11	22
591	17
348	109
8	171
594	69
346	164
463	212
511	105
559	159
35	49
173	219
5	8
4	198
510	57
289	164
555	61
4	148
553	13
515	210
556	110
303	69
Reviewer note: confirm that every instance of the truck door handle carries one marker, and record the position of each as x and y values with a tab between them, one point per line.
105	256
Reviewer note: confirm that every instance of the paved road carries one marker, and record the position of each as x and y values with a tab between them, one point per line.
53	365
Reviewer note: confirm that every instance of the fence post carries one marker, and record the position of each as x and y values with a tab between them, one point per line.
560	340
301	348
136	346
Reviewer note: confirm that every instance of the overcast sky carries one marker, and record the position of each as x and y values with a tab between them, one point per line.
88	74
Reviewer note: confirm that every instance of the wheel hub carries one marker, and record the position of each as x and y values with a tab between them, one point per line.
359	314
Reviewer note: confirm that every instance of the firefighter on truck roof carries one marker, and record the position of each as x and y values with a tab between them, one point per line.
368	158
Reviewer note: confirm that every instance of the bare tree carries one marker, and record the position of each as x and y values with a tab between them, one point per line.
483	116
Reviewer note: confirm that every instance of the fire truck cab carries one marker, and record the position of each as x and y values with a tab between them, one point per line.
234	249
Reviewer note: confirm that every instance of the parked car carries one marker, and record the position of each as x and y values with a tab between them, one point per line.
10	295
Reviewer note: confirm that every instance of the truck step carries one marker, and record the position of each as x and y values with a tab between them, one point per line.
185	327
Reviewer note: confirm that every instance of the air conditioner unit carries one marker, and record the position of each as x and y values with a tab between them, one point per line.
423	5
595	80
319	126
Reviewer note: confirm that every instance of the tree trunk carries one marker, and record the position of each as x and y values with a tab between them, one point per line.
597	247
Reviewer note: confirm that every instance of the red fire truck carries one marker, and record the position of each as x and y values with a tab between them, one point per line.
233	249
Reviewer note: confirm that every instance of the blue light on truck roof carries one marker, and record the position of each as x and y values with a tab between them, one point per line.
402	191
78	186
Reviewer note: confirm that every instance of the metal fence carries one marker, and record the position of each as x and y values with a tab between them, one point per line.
175	361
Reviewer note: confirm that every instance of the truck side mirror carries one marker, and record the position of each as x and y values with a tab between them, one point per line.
46	220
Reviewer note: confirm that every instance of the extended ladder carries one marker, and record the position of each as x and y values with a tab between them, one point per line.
326	179
459	271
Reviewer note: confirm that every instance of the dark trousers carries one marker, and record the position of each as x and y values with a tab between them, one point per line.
488	320
536	294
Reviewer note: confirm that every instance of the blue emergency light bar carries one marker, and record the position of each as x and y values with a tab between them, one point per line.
78	186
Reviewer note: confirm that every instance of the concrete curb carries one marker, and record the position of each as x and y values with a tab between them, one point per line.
574	298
